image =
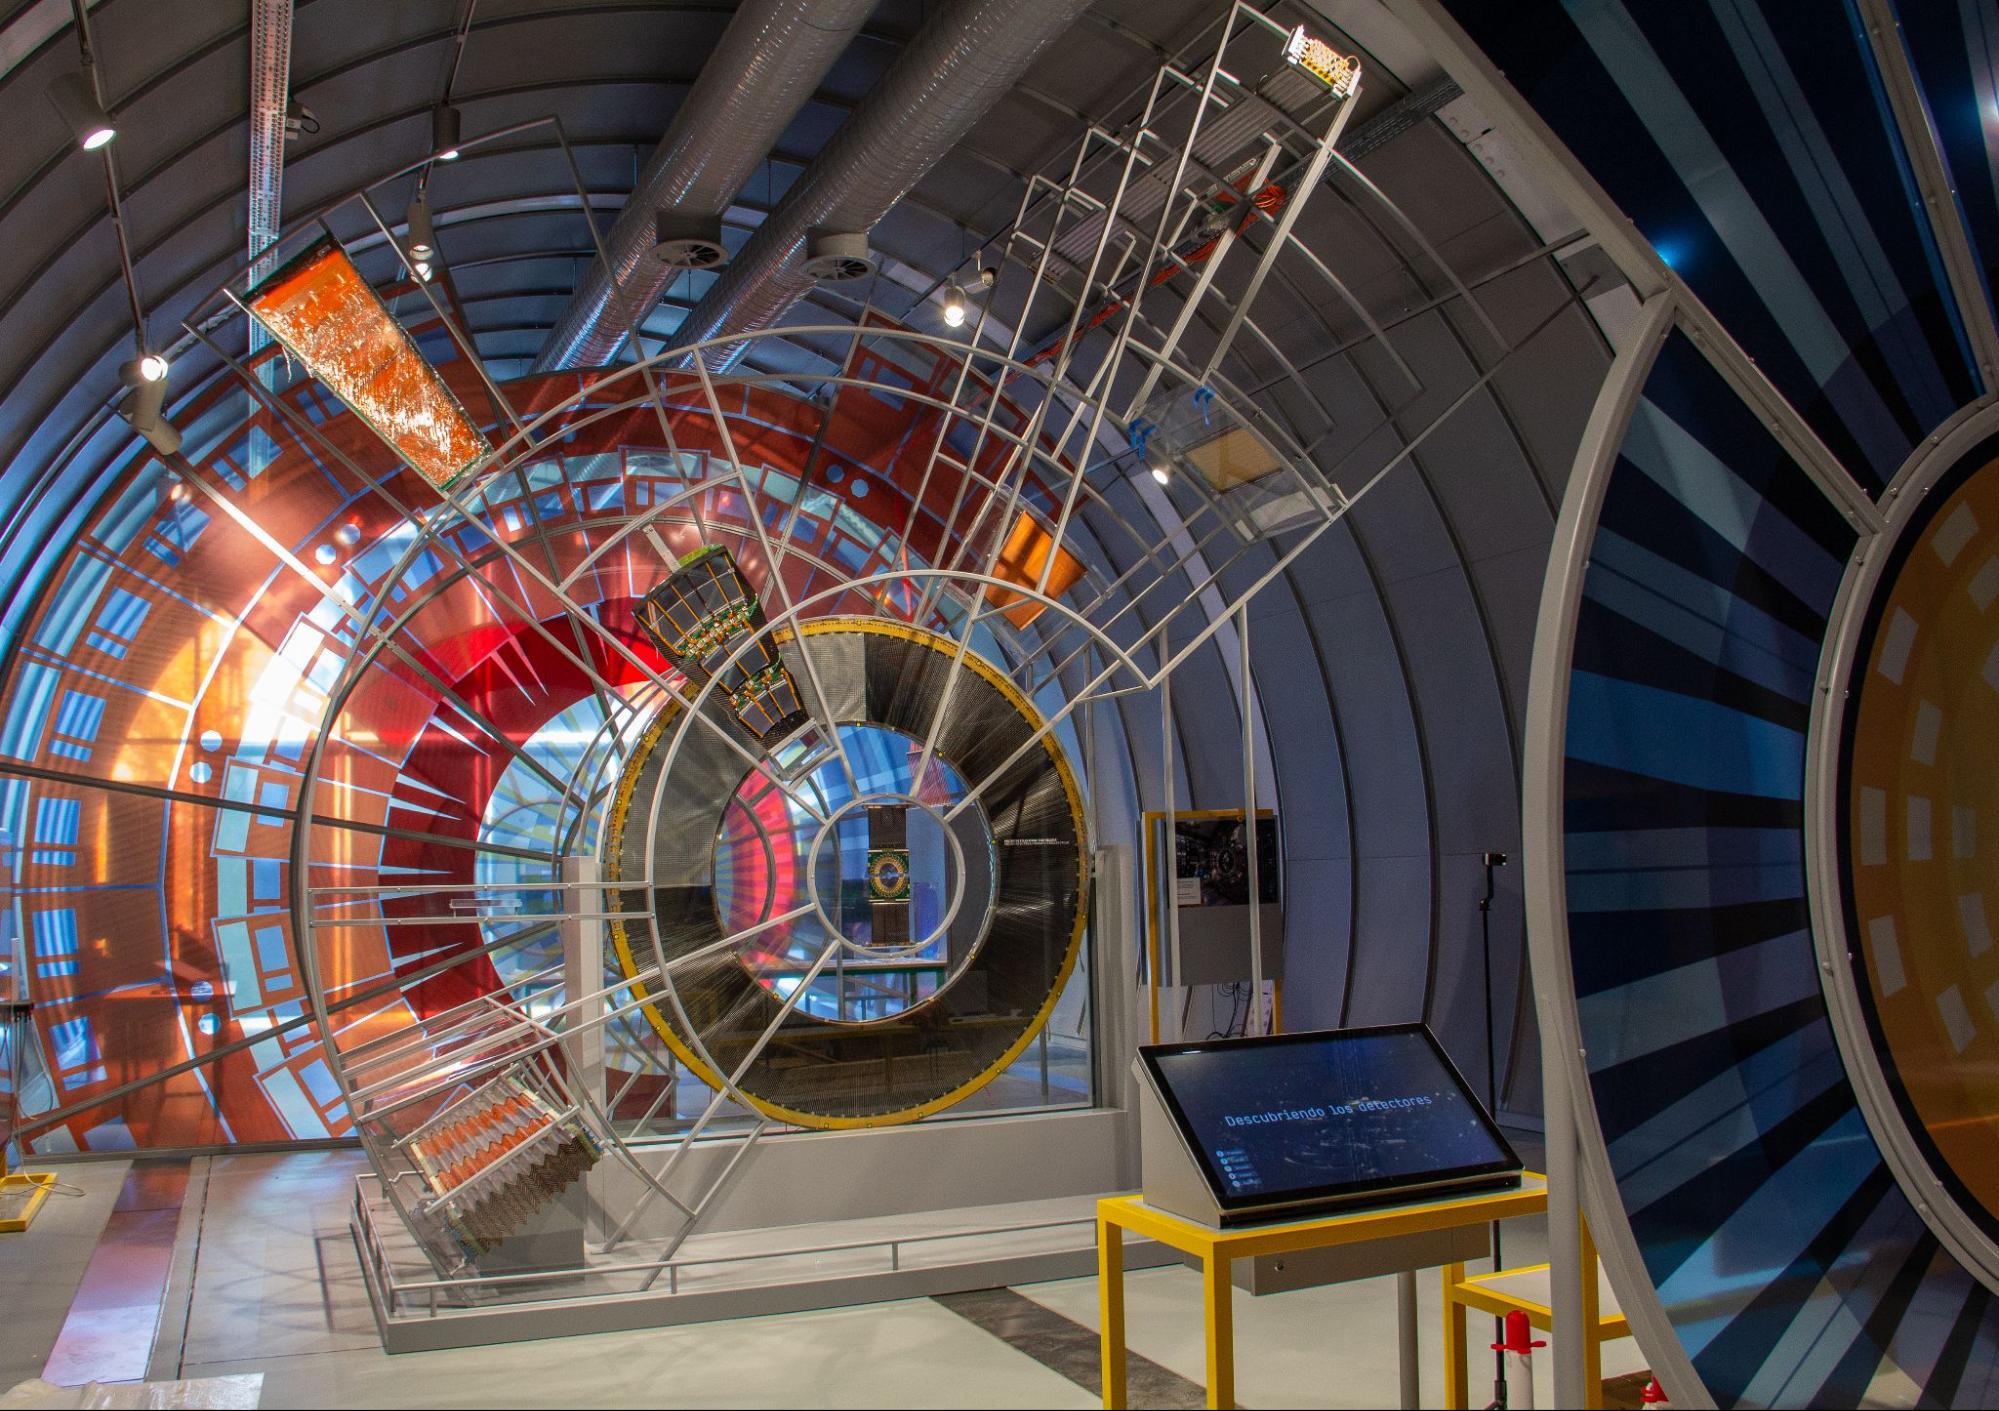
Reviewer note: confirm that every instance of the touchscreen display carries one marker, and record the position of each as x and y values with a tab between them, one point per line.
1300	1115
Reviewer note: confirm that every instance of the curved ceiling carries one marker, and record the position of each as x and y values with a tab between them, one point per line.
1391	661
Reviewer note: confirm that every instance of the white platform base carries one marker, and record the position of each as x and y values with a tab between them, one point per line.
745	1273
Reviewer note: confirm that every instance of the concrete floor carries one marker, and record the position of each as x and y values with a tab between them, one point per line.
265	1280
40	1271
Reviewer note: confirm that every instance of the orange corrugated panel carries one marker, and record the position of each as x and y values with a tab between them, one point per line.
325	314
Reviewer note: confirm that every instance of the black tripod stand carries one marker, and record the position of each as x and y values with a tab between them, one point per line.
1493	860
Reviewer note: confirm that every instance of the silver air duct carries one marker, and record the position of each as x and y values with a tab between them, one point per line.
956	68
769	61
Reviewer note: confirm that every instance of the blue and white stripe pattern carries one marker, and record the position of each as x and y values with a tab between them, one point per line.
1752	143
1792	1267
1953	47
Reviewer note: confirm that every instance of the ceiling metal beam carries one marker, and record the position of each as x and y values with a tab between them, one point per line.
270	95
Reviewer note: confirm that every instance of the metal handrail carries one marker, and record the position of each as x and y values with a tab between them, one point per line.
893	1243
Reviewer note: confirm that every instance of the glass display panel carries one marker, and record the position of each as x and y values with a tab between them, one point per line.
1918	780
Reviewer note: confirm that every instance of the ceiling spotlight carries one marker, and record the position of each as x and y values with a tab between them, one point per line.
80	109
420	239
954	307
1161	471
444	126
421	269
143	371
144	408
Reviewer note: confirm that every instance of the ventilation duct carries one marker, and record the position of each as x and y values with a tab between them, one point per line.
960	63
689	241
767	63
832	257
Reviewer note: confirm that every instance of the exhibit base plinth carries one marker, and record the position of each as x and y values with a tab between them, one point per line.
803	1220
21	1195
734	1274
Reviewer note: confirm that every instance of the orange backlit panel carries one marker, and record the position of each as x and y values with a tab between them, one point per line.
1234	457
1021	561
323	312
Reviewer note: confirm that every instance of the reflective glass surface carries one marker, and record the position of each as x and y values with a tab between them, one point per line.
772	856
172	686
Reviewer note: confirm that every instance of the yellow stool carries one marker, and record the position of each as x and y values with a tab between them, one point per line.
1526	1290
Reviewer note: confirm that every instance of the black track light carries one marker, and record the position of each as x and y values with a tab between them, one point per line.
444	130
80	109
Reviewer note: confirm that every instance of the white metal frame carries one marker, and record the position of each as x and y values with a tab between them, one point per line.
1579	1175
1839	968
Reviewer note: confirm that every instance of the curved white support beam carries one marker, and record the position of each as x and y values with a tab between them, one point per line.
1578	1169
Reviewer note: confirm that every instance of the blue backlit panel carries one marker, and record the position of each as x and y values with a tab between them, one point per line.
1953	46
1793	1269
1753	145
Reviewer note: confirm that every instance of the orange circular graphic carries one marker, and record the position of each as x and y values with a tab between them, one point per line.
1921	805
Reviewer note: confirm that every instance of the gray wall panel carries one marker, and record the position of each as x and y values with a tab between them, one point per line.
1368	692
1509	588
1472	777
1391	970
1398	526
1204	704
1310	790
1482	480
1318	928
1457	1008
1330	568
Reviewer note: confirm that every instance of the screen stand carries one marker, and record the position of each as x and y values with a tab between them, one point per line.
1170	1178
1172	1181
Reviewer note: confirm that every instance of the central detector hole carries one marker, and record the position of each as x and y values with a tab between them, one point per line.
885	874
884	877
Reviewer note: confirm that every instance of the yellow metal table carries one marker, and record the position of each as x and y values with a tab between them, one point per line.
1219	1249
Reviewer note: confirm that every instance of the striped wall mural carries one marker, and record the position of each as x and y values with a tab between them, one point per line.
1794	1270
1752	144
1818	187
